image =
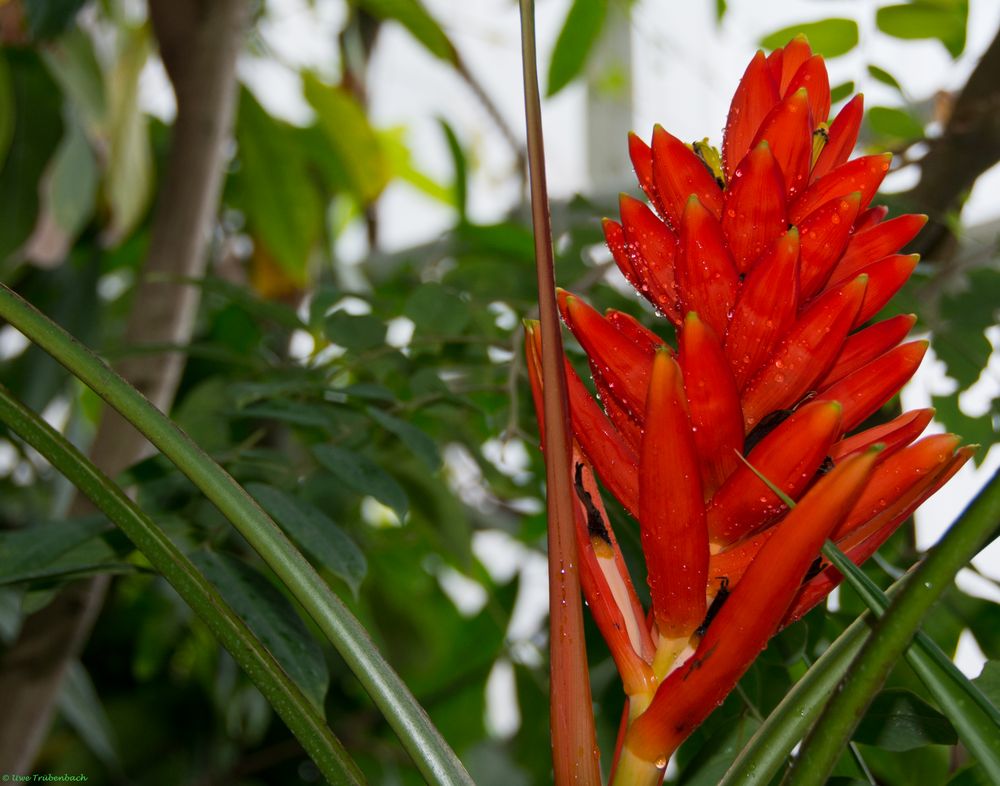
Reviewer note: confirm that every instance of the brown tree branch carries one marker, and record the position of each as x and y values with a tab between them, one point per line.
199	42
969	145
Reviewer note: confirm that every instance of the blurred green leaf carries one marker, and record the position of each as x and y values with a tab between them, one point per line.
129	179
894	123
577	37
357	332
898	720
945	20
883	76
74	65
282	205
7	110
436	311
49	18
324	541
361	474
32	552
81	707
72	184
412	15
38	127
827	37
421	445
402	166
353	140
841	91
271	617
460	167
988	681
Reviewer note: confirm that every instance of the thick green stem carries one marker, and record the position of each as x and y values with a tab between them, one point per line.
574	742
232	632
435	760
892	636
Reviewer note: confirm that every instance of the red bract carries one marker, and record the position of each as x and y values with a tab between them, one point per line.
770	266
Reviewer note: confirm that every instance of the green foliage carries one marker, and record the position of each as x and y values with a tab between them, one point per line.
893	124
899	721
579	33
828	37
49	18
412	15
945	20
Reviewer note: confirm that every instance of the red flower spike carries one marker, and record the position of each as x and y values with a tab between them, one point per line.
656	252
892	480
823	236
871	217
622	364
894	435
862	174
749	617
608	588
671	506
754	214
876	242
789	456
774	67
713	402
841	138
813	77
864	346
754	97
885	278
636	270
794	54
642	162
678	173
706	277
766	308
633	329
806	354
867	389
788	130
627	427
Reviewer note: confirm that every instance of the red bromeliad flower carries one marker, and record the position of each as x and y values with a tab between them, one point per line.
770	263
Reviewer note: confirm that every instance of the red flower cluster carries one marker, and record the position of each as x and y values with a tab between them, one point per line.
770	264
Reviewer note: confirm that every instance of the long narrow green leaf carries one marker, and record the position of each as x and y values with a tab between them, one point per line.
891	637
284	695
431	754
975	718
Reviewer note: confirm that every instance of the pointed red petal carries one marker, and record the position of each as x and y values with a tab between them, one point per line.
895	435
656	247
867	389
885	278
731	563
891	481
823	236
788	130
813	77
713	401
754	98
636	270
819	587
862	174
841	138
766	308
789	457
876	242
774	66
608	588
671	506
678	173
621	363
754	215
805	355
627	427
794	54
871	217
642	161
633	329
866	345
749	617
707	280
